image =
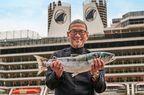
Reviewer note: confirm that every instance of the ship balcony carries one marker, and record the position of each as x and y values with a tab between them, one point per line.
23	78
124	74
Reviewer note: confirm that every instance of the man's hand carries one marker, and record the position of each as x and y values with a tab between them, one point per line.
96	65
57	67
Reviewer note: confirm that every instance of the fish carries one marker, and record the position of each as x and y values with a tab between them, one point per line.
75	64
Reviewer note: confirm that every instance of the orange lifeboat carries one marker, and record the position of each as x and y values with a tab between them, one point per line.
26	91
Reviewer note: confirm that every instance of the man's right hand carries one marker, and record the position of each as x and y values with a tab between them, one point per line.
57	67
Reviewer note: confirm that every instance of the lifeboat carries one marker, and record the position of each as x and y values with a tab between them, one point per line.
4	91
26	91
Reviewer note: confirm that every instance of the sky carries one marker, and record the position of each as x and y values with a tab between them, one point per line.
32	14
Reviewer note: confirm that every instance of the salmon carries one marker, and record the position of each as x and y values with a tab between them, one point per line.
75	64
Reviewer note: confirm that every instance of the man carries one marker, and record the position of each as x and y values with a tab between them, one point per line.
84	83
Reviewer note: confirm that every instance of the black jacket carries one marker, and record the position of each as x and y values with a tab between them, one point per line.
81	84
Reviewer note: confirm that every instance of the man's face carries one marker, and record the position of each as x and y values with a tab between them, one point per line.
77	35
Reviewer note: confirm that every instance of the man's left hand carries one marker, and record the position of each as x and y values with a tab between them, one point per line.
96	65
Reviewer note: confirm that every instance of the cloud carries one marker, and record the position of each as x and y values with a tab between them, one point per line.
39	27
32	14
23	14
117	8
19	3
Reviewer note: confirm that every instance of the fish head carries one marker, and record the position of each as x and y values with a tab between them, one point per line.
107	57
92	55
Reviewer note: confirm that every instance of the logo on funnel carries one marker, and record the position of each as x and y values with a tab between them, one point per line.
60	17
90	14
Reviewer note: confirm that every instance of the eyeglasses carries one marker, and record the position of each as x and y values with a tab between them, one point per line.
80	32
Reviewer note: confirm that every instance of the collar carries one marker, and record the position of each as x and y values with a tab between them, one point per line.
77	50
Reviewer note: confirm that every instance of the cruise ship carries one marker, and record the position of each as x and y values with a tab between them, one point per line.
125	38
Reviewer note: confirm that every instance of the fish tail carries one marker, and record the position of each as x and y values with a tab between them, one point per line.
41	66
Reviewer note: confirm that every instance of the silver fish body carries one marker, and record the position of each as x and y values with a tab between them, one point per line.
77	64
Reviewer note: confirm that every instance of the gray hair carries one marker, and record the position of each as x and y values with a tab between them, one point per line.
77	21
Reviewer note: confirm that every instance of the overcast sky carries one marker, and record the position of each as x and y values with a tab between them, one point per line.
32	14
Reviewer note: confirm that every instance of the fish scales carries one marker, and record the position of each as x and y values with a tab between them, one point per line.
77	64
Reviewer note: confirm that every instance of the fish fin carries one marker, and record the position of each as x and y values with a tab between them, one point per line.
74	74
41	65
74	55
54	57
41	70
